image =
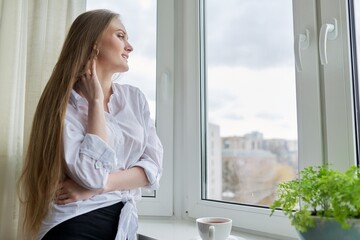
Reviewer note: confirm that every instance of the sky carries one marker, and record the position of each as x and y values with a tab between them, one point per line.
250	62
251	75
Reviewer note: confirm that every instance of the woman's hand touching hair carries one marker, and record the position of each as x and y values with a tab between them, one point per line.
89	85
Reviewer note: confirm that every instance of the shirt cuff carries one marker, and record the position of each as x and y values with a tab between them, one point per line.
152	172
94	147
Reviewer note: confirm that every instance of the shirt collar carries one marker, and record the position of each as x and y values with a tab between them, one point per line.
74	98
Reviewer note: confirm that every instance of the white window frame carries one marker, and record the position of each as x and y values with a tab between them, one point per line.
325	114
162	203
338	90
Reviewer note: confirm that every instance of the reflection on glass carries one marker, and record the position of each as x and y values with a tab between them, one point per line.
251	100
139	19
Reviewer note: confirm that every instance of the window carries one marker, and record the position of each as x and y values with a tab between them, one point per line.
314	99
251	100
150	70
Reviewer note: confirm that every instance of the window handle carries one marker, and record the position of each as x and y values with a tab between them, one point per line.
302	42
327	31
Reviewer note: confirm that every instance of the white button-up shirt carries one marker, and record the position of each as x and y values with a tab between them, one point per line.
132	142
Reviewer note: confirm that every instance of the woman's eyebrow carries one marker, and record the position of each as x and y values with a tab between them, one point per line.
120	30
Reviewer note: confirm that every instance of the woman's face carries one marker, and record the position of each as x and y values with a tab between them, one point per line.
114	48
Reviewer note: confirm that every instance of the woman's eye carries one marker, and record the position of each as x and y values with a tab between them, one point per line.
121	36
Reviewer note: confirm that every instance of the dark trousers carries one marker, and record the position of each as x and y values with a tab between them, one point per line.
100	224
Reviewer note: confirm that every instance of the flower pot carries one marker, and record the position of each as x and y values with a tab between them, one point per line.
329	229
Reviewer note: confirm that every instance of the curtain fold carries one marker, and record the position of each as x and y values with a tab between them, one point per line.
49	21
31	37
13	73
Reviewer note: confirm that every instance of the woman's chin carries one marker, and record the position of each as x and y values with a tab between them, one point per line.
123	67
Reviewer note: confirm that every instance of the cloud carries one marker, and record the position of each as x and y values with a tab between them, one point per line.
248	33
242	100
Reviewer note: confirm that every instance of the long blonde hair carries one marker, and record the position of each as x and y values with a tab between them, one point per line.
44	166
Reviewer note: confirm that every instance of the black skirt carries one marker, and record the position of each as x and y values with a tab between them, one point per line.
100	224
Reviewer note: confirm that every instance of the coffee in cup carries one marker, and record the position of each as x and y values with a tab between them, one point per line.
214	228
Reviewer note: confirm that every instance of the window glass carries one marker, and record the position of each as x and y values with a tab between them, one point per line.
250	100
139	19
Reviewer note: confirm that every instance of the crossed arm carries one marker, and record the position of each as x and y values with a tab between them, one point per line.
70	191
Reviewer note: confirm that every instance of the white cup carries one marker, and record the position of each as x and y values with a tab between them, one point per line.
214	228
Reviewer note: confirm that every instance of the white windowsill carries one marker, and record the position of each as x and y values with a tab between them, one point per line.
165	229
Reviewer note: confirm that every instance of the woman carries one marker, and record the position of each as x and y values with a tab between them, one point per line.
92	144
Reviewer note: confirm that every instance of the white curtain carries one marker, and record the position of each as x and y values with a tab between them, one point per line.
31	36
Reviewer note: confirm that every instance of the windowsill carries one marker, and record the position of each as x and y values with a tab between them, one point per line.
165	229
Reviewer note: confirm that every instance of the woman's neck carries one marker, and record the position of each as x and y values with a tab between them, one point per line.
105	79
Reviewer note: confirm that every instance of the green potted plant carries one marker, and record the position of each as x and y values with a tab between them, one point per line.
323	203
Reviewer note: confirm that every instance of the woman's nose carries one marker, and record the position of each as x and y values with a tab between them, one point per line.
129	48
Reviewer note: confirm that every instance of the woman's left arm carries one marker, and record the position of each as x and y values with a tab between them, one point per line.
147	171
151	160
70	191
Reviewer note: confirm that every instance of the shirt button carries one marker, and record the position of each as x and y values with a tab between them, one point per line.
98	165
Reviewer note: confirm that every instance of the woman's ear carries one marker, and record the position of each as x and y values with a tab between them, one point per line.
96	50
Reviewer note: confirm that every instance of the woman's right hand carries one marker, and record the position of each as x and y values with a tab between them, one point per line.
90	88
89	84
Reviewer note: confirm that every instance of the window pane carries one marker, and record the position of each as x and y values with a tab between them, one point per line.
141	29
250	100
